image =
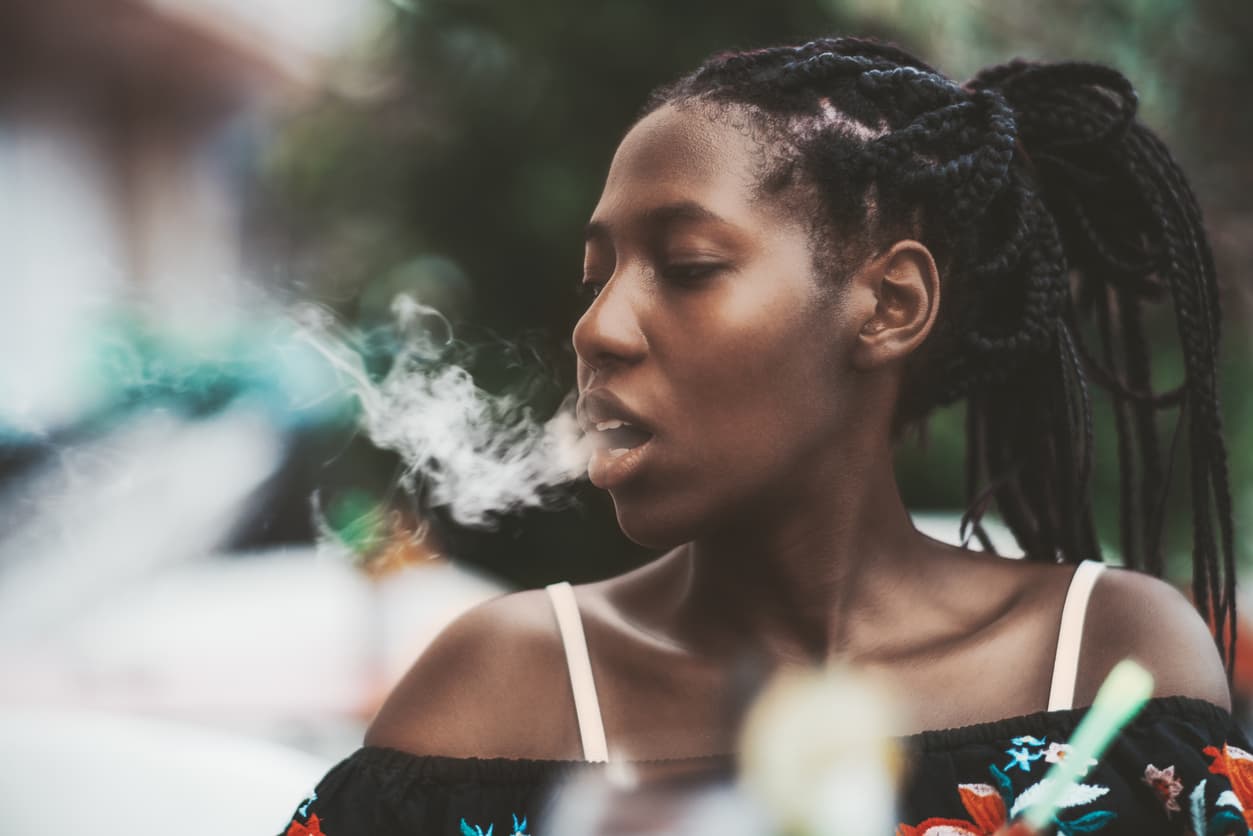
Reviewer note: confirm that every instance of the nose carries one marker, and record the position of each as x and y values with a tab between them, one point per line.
609	331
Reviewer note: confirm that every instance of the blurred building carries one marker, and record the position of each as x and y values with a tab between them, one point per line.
130	131
125	128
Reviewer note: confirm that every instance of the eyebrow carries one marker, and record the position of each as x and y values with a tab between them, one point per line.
660	216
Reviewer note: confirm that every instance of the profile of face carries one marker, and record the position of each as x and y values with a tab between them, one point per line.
708	332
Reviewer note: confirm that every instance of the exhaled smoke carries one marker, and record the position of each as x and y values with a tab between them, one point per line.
475	453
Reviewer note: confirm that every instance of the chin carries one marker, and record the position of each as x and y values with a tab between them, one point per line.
653	523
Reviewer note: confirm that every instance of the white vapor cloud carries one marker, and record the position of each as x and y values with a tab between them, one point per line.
475	453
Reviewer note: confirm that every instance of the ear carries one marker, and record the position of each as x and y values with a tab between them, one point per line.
897	297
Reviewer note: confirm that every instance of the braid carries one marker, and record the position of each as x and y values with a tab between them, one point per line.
1046	204
1108	166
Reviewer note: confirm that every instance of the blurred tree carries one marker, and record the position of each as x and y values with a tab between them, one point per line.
468	170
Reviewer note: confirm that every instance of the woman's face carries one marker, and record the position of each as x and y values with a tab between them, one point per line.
709	332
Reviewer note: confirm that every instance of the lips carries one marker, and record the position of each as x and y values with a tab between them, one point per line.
599	406
609	422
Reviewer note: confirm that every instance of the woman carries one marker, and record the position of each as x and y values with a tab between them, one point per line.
798	253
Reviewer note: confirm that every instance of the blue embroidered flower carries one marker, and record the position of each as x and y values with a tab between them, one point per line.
519	828
1022	758
304	807
1028	740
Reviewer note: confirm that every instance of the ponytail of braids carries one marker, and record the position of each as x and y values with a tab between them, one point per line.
1132	232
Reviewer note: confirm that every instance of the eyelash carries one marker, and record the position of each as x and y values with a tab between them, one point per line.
689	272
678	273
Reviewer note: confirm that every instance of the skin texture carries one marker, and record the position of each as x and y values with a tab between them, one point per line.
770	482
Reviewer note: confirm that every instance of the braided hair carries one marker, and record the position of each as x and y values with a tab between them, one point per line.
1046	204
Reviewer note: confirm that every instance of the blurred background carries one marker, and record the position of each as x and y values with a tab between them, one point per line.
203	558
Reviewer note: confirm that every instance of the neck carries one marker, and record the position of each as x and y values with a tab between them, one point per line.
793	575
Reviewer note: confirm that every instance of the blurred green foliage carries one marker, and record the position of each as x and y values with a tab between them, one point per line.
465	170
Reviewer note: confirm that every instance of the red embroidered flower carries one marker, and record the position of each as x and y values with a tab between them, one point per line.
940	827
1165	784
310	828
982	802
1237	765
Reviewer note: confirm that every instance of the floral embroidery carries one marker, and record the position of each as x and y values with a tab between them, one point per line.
1237	766
310	828
1196	804
1058	752
519	828
1022	758
990	808
1166	785
940	827
984	804
1075	796
1228	817
1227	798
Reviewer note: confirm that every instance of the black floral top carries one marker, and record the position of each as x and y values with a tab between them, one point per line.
1183	766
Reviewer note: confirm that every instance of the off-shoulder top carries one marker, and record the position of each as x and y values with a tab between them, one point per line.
1183	766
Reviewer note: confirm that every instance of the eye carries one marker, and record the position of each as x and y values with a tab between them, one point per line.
689	272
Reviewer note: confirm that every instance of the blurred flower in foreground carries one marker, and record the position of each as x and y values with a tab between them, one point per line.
658	798
819	750
818	757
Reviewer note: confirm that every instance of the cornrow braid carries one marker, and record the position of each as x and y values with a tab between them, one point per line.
1047	205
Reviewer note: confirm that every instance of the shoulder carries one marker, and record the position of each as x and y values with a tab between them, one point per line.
493	683
1131	614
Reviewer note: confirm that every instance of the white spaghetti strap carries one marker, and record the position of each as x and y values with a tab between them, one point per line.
1070	635
586	706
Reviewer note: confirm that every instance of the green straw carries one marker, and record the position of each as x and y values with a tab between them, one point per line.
1122	695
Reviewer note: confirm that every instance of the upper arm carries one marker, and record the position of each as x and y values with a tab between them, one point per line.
1131	614
491	684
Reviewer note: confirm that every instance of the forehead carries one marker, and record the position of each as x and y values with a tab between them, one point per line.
678	154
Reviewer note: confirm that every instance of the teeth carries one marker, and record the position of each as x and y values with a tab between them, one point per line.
618	451
601	426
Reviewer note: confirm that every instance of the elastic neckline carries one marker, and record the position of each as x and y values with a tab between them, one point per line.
431	768
1063	721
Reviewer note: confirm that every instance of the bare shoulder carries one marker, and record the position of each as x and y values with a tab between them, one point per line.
1131	614
492	684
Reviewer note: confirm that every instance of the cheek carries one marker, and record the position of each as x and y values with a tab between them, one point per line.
757	380
749	374
749	408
